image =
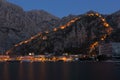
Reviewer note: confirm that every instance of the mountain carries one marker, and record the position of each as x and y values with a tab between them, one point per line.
17	25
79	35
43	19
114	20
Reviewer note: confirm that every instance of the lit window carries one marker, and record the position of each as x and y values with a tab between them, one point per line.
55	29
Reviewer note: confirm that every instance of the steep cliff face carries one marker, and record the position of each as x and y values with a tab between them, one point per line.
76	36
44	20
17	25
114	21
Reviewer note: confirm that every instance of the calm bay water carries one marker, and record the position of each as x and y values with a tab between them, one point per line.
59	71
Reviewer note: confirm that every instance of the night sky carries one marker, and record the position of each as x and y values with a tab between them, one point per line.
62	8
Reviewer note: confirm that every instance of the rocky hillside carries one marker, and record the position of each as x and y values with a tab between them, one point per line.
114	21
76	36
42	19
17	25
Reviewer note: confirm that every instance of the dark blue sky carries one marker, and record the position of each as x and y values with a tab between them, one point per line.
62	8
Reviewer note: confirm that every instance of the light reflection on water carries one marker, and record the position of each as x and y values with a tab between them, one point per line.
20	72
59	71
5	72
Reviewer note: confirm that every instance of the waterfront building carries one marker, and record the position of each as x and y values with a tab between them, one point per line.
110	49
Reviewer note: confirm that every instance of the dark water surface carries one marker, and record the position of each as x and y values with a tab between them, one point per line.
59	71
